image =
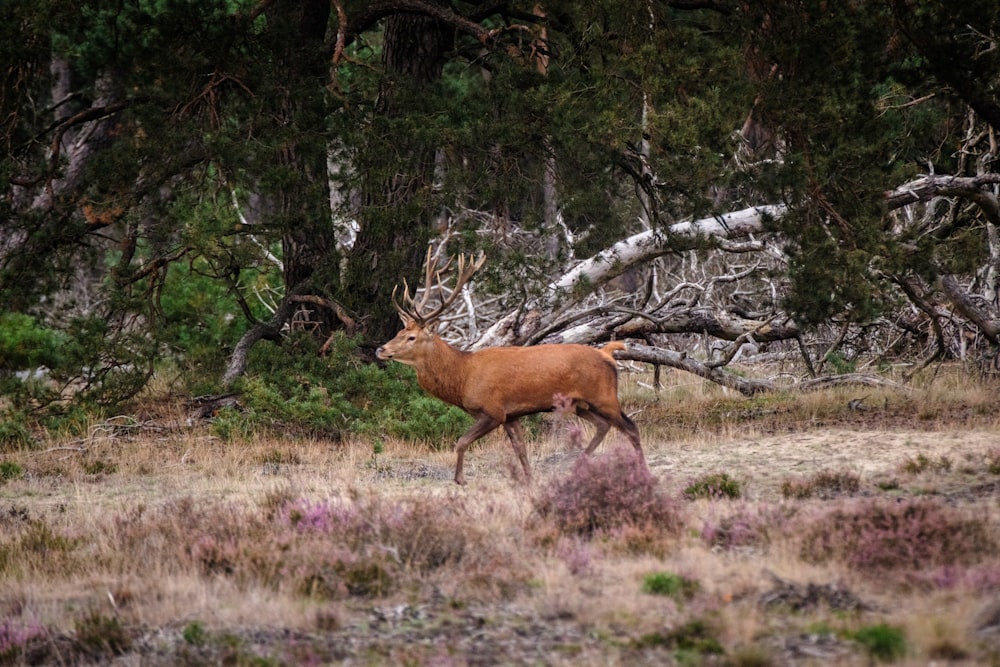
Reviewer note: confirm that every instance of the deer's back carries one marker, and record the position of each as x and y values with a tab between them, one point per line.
523	380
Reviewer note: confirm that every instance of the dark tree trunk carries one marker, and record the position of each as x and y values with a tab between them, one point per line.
299	206
394	232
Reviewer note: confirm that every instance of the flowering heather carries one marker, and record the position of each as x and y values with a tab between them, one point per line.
16	637
603	493
320	517
578	555
878	536
748	526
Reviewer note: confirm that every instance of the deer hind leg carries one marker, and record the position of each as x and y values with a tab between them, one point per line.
484	424
622	423
516	435
600	423
631	431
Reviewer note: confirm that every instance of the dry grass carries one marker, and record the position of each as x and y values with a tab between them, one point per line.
159	544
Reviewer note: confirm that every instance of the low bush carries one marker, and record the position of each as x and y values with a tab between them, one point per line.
670	585
101	636
17	640
14	435
993	461
717	485
691	641
748	526
292	390
923	463
823	484
604	493
883	642
10	470
876	536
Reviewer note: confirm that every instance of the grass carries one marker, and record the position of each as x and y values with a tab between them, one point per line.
166	540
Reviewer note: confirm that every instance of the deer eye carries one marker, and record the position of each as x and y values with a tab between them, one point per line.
411	338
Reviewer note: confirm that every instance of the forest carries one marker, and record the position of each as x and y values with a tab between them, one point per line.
186	183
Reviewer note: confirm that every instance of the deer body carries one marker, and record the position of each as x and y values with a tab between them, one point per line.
497	386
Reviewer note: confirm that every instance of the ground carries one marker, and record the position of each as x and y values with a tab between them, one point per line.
544	598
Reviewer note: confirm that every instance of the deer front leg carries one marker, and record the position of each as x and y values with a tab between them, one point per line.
516	435
483	425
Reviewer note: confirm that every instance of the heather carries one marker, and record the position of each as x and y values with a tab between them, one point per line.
749	540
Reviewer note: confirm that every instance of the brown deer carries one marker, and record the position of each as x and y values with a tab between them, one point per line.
497	386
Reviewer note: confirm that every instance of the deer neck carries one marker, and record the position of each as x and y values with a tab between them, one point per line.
442	373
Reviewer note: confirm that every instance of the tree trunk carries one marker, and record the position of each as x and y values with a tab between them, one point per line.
300	208
397	213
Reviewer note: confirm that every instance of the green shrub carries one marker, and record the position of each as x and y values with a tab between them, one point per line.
716	485
292	390
923	463
428	419
670	585
690	641
841	364
10	470
993	461
25	345
194	633
14	434
100	636
883	642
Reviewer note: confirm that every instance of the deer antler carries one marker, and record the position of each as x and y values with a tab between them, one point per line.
412	310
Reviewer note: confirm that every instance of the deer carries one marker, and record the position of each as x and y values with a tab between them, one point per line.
497	386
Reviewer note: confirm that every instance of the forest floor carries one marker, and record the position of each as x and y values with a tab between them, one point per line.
152	542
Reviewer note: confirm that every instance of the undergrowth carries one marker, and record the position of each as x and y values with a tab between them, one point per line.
879	536
292	391
609	492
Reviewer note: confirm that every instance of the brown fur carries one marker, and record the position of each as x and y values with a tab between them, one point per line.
499	385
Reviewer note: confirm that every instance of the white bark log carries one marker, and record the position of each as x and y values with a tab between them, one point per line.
615	260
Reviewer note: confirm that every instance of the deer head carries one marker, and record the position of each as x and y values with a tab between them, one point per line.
412	344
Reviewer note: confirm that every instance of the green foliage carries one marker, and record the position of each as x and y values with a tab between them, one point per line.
195	634
101	636
427	419
715	485
295	391
13	433
669	584
10	470
883	642
690	641
840	364
198	314
25	345
217	163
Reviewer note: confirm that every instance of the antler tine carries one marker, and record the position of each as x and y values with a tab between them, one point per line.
431	272
465	272
404	312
